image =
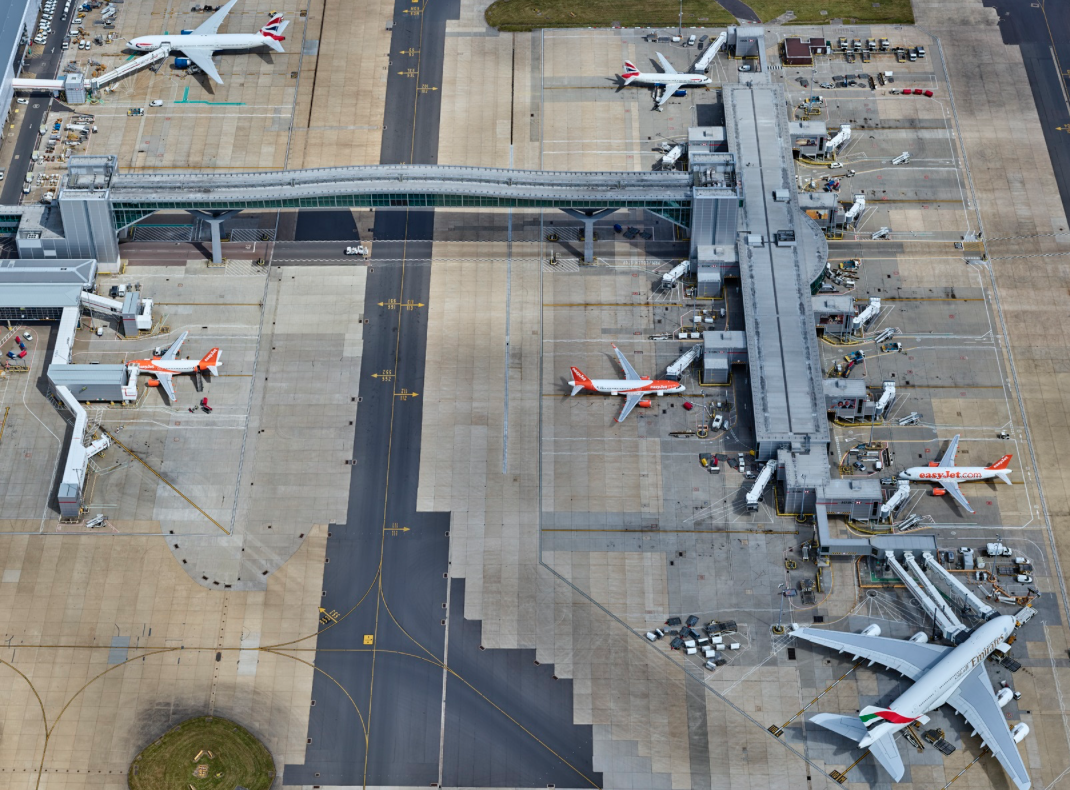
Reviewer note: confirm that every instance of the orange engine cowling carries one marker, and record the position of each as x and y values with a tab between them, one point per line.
933	464
153	382
644	404
939	492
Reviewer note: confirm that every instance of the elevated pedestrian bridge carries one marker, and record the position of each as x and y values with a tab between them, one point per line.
136	196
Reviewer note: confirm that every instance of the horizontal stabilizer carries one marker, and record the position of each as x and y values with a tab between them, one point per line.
884	749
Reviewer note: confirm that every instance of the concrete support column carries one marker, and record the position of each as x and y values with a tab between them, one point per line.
215	220
588	216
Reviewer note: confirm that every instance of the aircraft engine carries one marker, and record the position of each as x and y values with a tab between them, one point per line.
1019	732
871	630
921	638
1005	695
645	404
939	491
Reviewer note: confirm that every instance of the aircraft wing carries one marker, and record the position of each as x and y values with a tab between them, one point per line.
976	701
952	451
203	59
172	352
953	488
211	26
912	659
631	399
166	386
665	64
629	371
670	89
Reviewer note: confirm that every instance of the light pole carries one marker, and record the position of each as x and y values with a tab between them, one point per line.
681	33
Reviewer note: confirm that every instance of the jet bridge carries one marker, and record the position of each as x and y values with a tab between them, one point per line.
704	62
896	499
130	67
856	209
933	606
841	138
871	312
886	399
754	496
135	313
72	483
979	606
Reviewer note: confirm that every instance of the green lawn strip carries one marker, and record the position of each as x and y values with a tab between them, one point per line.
859	11
238	758
524	15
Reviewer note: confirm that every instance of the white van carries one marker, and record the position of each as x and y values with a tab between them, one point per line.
691	41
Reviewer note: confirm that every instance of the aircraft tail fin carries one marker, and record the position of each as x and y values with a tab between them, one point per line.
272	32
1001	463
884	749
1001	470
211	362
580	381
630	72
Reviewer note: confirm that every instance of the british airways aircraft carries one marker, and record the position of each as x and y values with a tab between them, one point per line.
672	79
947	476
199	45
942	675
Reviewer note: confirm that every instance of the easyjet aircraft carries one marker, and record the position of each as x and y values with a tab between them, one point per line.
635	388
947	476
164	367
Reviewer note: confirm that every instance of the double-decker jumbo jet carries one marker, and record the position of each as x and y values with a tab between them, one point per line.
167	365
199	44
943	675
672	79
947	476
635	388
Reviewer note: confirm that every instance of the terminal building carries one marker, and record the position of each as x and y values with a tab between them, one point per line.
738	199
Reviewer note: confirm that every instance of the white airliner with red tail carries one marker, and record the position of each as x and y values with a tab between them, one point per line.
199	45
635	388
167	365
947	476
672	79
942	675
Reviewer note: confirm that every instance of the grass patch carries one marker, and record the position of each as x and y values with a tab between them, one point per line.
860	11
525	15
238	758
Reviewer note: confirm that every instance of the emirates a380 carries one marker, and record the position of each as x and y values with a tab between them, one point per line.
199	44
946	476
636	389
942	675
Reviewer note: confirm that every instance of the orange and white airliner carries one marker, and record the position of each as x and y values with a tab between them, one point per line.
947	476
635	388
165	366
